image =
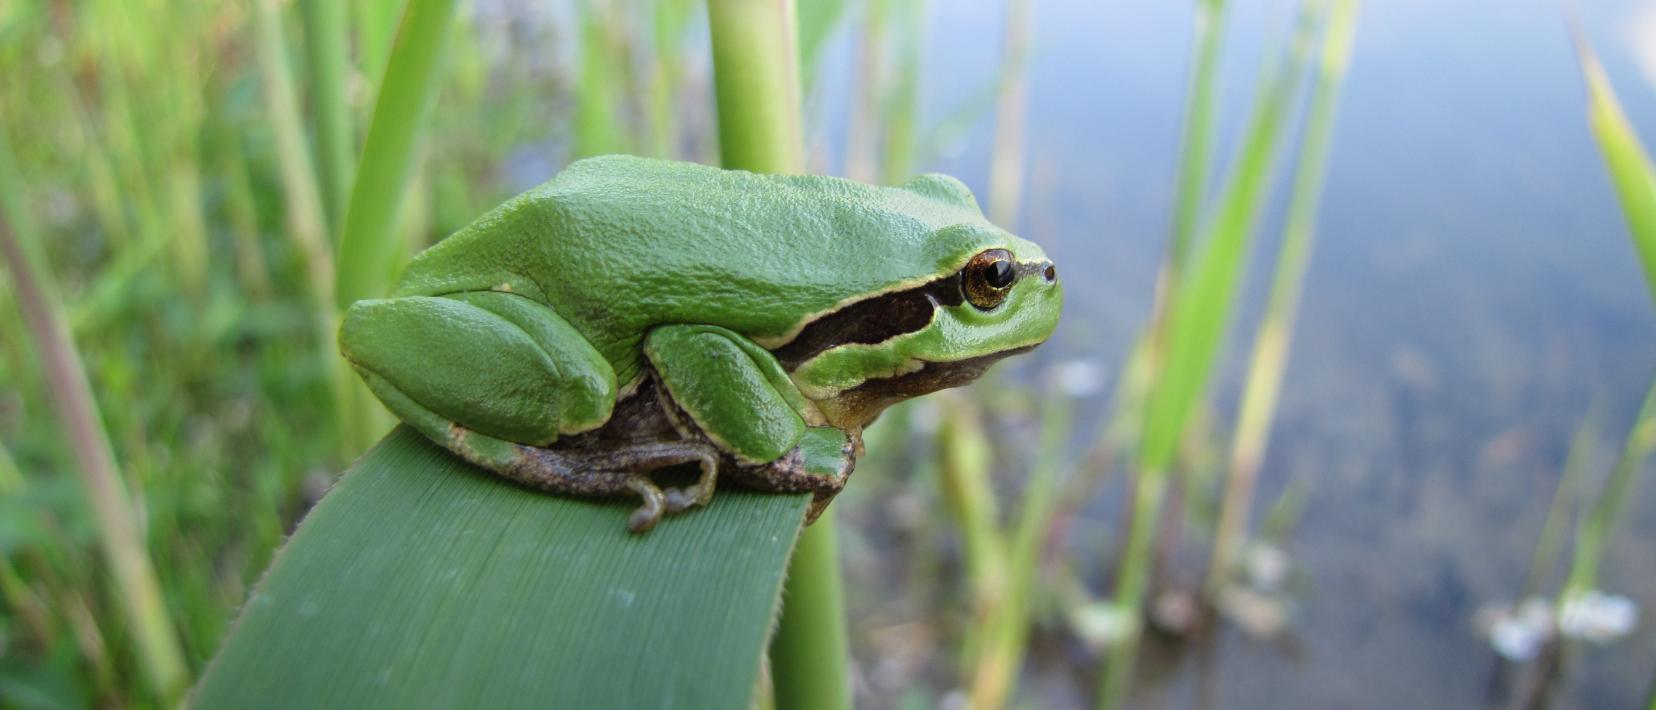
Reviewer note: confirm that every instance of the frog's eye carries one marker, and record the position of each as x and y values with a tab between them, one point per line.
988	277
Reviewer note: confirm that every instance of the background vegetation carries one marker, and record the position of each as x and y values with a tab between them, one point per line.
190	191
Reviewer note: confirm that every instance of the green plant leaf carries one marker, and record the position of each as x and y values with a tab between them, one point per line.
422	581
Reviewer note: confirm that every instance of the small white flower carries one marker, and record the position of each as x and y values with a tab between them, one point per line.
1598	617
1266	566
1519	633
1078	378
1101	623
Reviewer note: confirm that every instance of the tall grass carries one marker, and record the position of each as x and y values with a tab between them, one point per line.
121	535
1269	359
327	66
1634	178
370	248
1184	341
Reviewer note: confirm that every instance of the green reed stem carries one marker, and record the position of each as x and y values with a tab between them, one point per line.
756	80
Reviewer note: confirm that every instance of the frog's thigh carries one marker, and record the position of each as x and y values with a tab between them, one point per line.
735	391
498	364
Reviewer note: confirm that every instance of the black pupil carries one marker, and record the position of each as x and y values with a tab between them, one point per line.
999	274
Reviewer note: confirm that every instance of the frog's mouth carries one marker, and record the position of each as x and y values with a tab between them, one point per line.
937	375
860	405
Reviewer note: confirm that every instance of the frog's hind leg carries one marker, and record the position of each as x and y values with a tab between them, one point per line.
596	471
608	470
495	363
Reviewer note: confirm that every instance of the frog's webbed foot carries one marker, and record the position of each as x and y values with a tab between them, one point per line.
819	465
612	469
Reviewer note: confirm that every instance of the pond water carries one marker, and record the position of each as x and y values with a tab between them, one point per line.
1472	295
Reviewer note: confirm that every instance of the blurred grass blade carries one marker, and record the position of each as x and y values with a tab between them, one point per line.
1186	345
420	581
818	20
1595	529
327	65
121	538
900	108
598	127
306	222
1006	626
756	83
1269	360
1196	135
862	132
1006	162
1635	182
1201	306
370	251
1553	531
669	20
1629	164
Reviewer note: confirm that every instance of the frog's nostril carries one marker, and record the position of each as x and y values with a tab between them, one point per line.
1051	273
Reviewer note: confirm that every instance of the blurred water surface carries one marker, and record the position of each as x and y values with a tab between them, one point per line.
1473	291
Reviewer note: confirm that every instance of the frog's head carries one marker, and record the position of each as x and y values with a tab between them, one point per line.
988	295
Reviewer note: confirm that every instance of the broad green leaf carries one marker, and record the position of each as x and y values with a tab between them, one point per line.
421	581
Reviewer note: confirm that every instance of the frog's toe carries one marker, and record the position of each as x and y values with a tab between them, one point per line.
652	507
681	499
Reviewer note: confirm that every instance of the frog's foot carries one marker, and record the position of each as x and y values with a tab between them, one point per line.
819	465
620	469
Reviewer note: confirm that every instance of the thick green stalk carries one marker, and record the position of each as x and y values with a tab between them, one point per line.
756	80
1271	344
1186	345
120	535
326	64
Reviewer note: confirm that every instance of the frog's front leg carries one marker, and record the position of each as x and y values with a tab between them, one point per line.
820	465
738	396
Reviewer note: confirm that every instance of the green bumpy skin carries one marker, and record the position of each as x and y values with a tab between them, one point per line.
764	306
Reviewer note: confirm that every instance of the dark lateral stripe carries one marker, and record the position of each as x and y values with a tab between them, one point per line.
872	320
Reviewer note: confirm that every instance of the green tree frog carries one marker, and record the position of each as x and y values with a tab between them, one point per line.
633	314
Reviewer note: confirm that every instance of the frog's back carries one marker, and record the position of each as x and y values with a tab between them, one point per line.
617	244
